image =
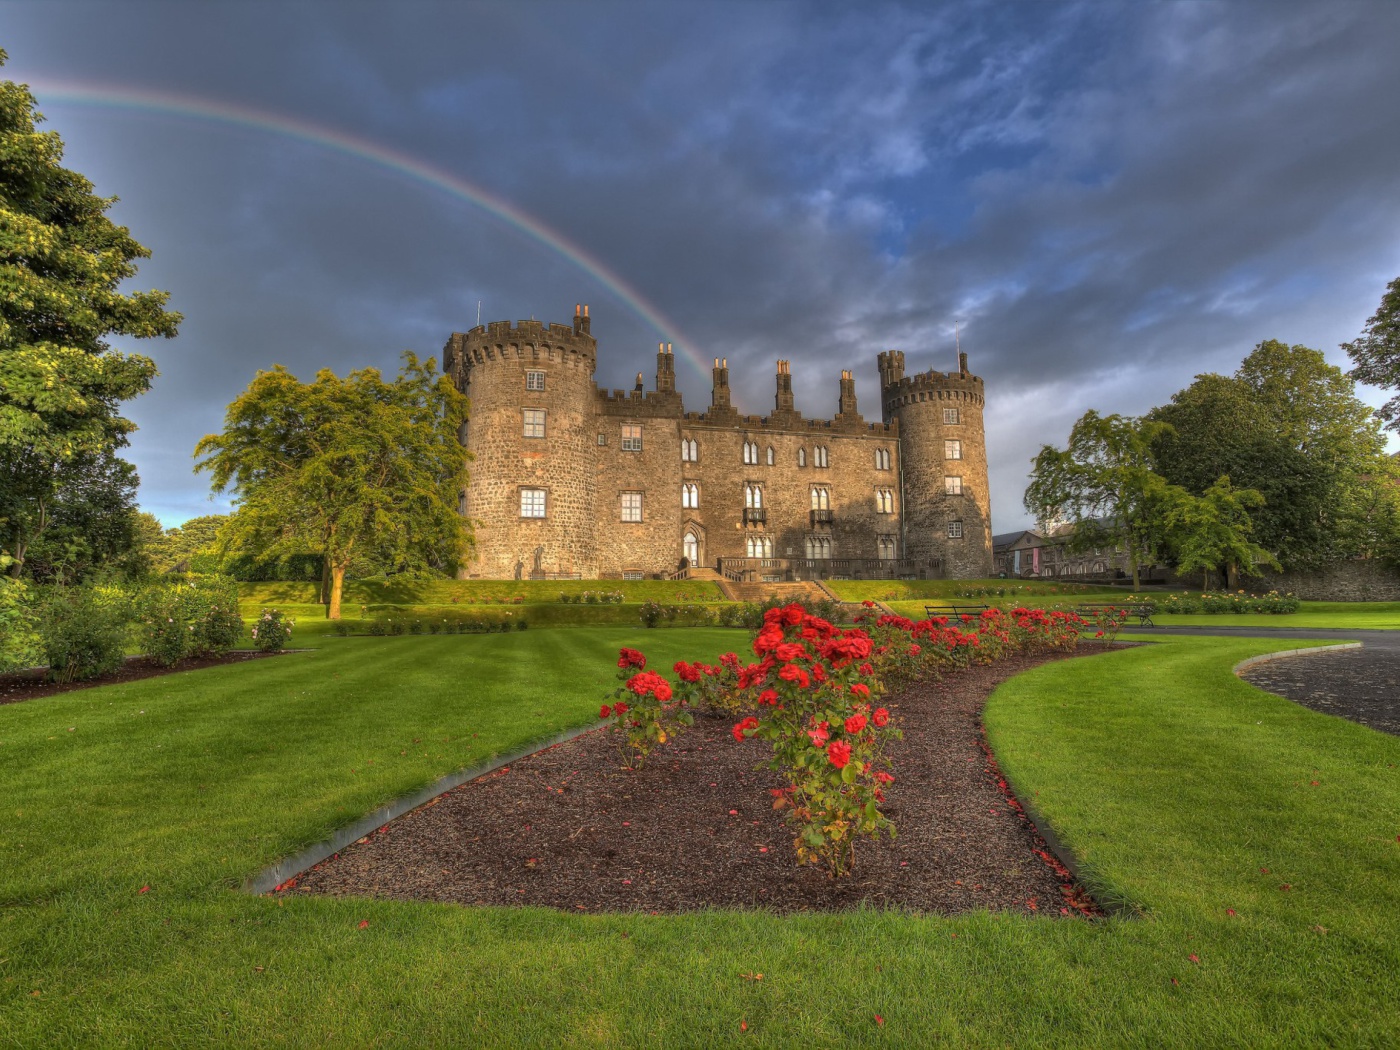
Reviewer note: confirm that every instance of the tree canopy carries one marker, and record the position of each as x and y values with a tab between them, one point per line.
1376	352
344	465
61	382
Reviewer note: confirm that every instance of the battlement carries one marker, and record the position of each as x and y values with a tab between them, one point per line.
929	386
522	340
791	424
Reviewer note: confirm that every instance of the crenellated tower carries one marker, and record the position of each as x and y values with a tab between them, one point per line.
943	463
530	434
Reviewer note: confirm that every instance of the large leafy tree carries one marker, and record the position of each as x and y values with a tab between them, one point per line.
344	466
1212	532
1105	484
1288	425
61	383
1376	352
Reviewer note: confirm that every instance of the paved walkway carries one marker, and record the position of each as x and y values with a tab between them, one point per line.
1360	684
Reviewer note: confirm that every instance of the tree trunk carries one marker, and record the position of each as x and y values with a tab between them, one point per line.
1133	564
1232	576
325	598
337	586
1205	580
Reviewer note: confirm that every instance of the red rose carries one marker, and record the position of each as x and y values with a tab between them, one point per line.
884	777
838	753
768	696
820	735
793	614
605	711
915	650
866	669
620	708
860	689
789	651
855	724
650	682
793	673
768	639
687	672
631	658
741	728
881	717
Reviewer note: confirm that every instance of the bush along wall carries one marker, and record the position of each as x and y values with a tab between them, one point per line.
1223	603
397	624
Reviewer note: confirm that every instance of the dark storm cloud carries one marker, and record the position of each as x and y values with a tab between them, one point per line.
1107	198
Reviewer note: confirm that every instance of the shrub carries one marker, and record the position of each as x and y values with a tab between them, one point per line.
193	616
378	628
84	632
416	627
272	631
342	628
20	644
1219	602
643	710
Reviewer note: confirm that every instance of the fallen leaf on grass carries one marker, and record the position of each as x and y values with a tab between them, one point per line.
143	889
364	924
743	1025
1194	957
879	1020
752	976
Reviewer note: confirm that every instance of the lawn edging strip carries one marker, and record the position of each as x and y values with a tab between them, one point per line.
1285	653
290	867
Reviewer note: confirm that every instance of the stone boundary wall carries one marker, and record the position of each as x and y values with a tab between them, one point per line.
1354	580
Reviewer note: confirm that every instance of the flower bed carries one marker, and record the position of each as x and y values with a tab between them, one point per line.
1224	603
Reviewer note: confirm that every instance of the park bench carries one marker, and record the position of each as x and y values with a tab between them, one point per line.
955	609
1142	610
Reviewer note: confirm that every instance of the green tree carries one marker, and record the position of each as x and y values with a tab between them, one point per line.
177	547
344	465
1376	352
61	262
1211	532
1105	484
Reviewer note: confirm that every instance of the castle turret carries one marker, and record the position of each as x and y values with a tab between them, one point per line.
943	458
665	369
531	437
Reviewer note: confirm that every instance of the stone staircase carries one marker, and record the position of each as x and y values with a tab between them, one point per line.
804	590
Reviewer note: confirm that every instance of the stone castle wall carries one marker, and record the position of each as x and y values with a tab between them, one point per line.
584	469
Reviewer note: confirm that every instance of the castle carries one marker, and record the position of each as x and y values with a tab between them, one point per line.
570	480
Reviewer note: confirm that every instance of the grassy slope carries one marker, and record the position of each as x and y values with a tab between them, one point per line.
1175	782
442	592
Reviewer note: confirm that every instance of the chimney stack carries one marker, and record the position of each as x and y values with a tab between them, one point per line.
581	325
719	397
783	401
846	404
665	369
962	362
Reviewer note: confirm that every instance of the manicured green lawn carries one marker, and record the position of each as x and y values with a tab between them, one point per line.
469	592
1174	781
949	590
1383	615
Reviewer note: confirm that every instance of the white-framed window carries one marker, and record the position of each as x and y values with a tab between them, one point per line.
819	456
633	574
772	456
631	506
821	497
884	501
602	439
952	449
534	380
751	452
631	437
534	422
753	496
532	503
882	459
952	485
818	547
950	416
758	547
886	547
801	457
690	451
690	496
955	530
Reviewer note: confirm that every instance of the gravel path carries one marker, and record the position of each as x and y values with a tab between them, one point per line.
1360	684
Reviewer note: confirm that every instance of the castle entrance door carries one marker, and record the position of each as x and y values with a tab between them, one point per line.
690	547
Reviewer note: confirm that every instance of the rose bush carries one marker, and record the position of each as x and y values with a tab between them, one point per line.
645	710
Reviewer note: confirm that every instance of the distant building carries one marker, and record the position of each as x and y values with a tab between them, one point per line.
570	480
1035	555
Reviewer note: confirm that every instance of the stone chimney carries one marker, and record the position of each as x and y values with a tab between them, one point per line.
719	397
783	401
665	369
846	404
581	323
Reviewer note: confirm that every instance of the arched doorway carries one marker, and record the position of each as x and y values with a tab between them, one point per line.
690	547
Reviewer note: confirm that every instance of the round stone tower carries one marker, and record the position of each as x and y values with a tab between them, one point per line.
530	433
943	464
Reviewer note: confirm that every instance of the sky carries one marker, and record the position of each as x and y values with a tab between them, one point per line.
1103	198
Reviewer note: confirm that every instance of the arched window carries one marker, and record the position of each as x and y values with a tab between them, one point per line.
818	547
820	456
884	501
751	452
821	497
801	457
690	451
758	547
770	455
690	496
886	546
753	496
882	459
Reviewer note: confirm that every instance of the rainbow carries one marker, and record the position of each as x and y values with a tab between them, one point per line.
110	96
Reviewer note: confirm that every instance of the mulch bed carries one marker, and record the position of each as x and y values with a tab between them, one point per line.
1360	684
569	828
17	686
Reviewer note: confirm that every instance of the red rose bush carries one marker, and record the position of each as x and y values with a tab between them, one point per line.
643	710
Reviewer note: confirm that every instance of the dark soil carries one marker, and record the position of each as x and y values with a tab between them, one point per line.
17	686
1360	684
569	828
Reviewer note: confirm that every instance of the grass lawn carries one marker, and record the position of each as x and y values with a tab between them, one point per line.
478	592
949	590
1174	781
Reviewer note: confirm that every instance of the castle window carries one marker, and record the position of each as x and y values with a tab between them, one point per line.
955	530
950	415
818	547
801	457
532	503
534	380
631	506
631	437
952	449
770	455
602	440
534	422
753	497
819	456
751	452
821	498
952	486
758	547
884	501
690	496
886	547
462	503
882	459
690	451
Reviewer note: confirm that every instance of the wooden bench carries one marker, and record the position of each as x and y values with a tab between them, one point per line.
1142	610
955	609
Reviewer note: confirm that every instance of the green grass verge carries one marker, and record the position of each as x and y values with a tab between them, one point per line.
1173	780
468	592
921	590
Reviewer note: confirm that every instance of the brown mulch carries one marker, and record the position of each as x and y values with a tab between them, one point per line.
569	828
17	686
